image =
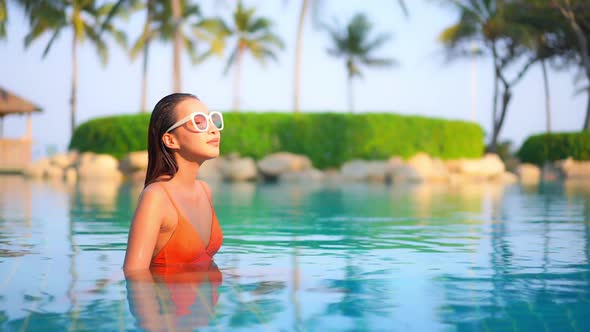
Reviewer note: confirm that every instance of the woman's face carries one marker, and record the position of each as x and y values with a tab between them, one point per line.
195	144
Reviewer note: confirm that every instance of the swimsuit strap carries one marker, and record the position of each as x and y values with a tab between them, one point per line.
170	198
206	194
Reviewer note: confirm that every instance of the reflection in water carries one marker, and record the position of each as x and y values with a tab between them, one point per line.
171	298
305	257
99	192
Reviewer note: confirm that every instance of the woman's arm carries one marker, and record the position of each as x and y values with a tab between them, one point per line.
145	228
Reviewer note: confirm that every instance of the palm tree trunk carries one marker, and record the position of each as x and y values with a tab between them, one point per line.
568	13
350	95
492	146
143	107
298	48
506	97
74	82
236	102
547	97
144	82
177	86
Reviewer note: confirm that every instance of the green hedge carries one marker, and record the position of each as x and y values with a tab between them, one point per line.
550	147
114	135
329	139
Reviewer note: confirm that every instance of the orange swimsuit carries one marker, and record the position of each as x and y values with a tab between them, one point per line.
185	246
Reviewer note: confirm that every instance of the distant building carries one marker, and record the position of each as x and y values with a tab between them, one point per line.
15	153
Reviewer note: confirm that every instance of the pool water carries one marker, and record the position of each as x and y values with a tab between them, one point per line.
362	257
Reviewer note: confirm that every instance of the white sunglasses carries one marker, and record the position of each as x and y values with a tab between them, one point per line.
201	121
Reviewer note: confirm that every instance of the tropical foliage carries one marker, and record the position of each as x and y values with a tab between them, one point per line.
249	34
314	5
538	149
160	25
84	18
355	44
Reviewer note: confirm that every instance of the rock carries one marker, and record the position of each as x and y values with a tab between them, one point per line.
134	161
507	178
70	175
421	167
363	170
278	163
98	166
211	169
239	169
573	169
406	173
488	167
528	173
61	160
54	172
308	175
38	169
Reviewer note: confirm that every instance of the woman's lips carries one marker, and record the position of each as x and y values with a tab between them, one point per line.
214	142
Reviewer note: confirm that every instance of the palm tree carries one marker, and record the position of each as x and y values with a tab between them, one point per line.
160	23
84	18
575	13
488	23
254	35
3	19
305	8
355	45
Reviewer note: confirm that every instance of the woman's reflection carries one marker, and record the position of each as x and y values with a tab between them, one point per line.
169	298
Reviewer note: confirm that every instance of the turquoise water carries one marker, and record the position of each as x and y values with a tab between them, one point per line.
306	258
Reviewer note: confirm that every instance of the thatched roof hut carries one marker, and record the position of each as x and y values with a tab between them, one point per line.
10	103
15	154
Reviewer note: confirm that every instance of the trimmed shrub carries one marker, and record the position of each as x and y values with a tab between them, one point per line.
329	139
114	135
538	149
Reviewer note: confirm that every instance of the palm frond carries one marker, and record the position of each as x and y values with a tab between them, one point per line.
98	42
3	19
189	44
141	42
230	60
50	43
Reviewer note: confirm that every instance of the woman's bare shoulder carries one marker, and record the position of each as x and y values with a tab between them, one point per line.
154	192
206	186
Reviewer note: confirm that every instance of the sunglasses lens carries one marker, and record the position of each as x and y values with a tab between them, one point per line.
201	121
217	120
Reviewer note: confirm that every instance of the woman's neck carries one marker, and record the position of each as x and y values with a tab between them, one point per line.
187	173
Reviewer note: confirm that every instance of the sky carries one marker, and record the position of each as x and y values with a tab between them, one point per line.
424	83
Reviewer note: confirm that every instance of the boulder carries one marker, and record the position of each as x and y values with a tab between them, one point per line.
70	175
507	178
363	170
419	168
134	161
574	169
239	169
54	172
61	160
38	169
100	166
528	173
211	169
308	175
488	167
276	164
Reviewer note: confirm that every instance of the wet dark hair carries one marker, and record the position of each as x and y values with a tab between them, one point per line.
160	159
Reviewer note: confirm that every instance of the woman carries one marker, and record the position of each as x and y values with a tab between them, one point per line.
174	223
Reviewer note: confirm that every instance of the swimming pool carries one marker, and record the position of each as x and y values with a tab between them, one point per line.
306	258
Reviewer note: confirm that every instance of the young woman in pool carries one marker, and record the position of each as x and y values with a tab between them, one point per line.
174	223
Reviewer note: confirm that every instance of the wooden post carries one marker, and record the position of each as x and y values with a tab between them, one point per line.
29	127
